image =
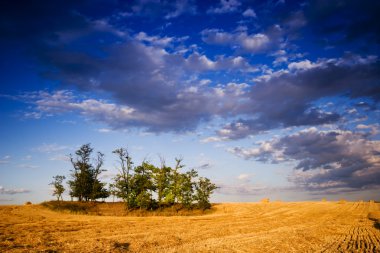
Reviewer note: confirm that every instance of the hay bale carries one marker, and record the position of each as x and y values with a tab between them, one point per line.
265	200
28	203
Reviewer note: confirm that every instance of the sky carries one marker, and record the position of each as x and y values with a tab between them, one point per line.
269	99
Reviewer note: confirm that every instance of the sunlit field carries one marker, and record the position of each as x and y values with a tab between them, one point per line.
229	227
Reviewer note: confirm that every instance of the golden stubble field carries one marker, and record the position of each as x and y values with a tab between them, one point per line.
232	227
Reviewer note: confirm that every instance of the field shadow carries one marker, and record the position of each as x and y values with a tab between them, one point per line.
121	246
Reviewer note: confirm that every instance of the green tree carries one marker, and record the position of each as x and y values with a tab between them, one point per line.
204	189
174	192
144	185
123	180
85	184
187	188
148	187
58	186
113	191
161	179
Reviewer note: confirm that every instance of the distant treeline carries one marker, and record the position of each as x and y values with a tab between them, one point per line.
145	186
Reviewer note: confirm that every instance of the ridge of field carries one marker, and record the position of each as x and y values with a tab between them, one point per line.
232	227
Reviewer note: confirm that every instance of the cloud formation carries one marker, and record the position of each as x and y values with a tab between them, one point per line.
245	42
288	97
189	106
323	159
12	191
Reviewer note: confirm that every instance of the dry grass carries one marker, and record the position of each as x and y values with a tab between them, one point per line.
233	227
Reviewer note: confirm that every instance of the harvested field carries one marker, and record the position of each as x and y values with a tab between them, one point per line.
232	227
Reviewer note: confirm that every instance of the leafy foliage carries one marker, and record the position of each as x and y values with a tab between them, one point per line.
144	187
85	184
59	189
149	187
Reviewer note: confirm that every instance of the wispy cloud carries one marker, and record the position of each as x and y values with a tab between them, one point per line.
51	148
12	191
5	159
225	6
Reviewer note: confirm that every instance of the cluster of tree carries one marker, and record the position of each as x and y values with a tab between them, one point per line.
144	186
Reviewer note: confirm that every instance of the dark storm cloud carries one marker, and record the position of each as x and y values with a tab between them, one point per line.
287	98
38	22
345	21
324	159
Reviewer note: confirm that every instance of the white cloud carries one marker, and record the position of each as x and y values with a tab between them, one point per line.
12	191
240	39
245	177
104	130
217	36
249	13
280	60
212	139
63	158
302	65
254	43
51	148
155	40
28	166
5	159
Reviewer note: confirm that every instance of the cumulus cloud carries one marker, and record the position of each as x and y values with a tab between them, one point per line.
249	13
251	43
302	65
12	191
286	98
196	103
323	159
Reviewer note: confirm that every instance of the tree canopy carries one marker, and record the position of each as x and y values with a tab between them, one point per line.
143	186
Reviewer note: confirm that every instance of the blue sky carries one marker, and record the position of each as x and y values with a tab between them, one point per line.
275	99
